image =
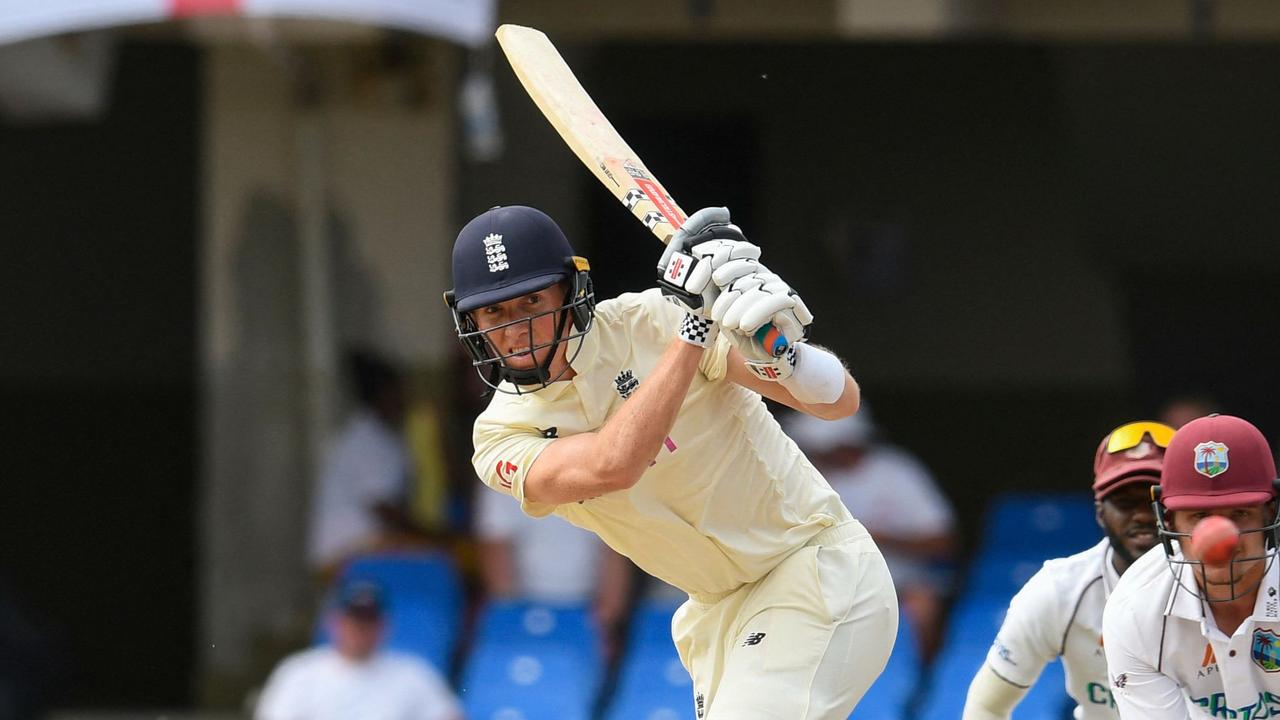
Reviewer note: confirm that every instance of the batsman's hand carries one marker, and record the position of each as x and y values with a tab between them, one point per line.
747	303
705	244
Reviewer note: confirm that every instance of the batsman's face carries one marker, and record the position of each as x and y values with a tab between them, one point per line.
1247	565
1127	518
523	328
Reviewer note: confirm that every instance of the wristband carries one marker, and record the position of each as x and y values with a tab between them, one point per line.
698	330
817	377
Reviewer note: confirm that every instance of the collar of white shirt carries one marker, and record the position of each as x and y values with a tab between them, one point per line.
1184	603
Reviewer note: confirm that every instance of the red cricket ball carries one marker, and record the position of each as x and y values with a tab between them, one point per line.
1214	540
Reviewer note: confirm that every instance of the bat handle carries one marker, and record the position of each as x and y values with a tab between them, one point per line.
774	342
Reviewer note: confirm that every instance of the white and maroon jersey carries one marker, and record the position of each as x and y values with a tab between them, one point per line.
726	499
1058	613
1168	659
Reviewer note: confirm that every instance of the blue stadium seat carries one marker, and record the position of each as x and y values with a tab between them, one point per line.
652	685
888	696
520	622
424	601
1000	577
651	624
528	682
1039	525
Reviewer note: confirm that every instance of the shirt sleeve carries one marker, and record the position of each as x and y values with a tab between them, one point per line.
1140	690
381	466
435	701
1031	635
503	456
497	516
665	317
922	508
277	701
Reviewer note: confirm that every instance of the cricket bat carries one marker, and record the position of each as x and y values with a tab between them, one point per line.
571	111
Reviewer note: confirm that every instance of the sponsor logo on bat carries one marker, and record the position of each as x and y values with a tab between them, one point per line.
633	198
662	201
609	174
634	170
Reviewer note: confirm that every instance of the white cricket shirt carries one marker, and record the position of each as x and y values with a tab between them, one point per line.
1059	613
1168	659
320	684
726	499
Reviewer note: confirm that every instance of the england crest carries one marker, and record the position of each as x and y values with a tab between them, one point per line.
1266	650
1211	459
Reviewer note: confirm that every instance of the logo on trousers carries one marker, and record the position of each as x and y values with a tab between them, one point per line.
753	639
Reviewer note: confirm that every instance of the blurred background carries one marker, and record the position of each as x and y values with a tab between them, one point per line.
225	230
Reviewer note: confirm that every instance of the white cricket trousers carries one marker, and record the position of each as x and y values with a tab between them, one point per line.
801	643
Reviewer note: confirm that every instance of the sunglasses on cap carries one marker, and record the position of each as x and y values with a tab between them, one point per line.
1127	437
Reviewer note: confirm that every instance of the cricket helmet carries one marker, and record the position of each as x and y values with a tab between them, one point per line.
502	254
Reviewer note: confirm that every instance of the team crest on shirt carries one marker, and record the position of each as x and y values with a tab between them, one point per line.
1211	459
1266	650
627	383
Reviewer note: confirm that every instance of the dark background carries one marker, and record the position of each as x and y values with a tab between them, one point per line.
98	445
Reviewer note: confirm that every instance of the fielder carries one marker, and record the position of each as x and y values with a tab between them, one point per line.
1059	611
1190	639
642	421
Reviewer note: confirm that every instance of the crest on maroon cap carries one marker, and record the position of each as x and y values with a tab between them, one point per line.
1215	462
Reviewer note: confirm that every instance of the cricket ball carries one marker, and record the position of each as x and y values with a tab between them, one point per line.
1214	540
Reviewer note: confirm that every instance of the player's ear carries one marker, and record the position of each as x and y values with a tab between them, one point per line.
1097	514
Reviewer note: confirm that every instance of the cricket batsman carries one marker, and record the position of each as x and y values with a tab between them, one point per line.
642	420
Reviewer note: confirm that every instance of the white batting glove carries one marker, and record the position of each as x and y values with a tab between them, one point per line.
705	242
749	302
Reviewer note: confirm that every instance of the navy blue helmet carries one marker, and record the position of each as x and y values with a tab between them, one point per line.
502	254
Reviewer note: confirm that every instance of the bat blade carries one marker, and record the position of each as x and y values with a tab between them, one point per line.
565	103
556	91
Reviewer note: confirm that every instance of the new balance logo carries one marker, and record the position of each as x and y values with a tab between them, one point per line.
753	639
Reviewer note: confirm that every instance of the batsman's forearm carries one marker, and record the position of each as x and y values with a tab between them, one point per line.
630	440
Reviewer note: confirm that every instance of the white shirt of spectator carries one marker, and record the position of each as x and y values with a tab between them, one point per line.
1059	613
893	494
554	560
1168	659
320	684
365	464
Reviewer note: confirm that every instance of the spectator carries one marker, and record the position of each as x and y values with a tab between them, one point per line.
354	677
894	495
1182	409
549	560
361	493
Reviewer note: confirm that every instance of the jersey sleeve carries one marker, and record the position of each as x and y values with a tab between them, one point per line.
1140	690
664	317
1031	635
279	698
434	699
503	456
496	517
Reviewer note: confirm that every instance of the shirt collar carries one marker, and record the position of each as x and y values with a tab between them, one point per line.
1109	575
1185	603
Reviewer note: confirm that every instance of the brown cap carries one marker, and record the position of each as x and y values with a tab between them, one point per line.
1138	464
1215	462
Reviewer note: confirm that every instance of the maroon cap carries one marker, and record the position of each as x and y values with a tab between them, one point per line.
1215	462
1112	471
